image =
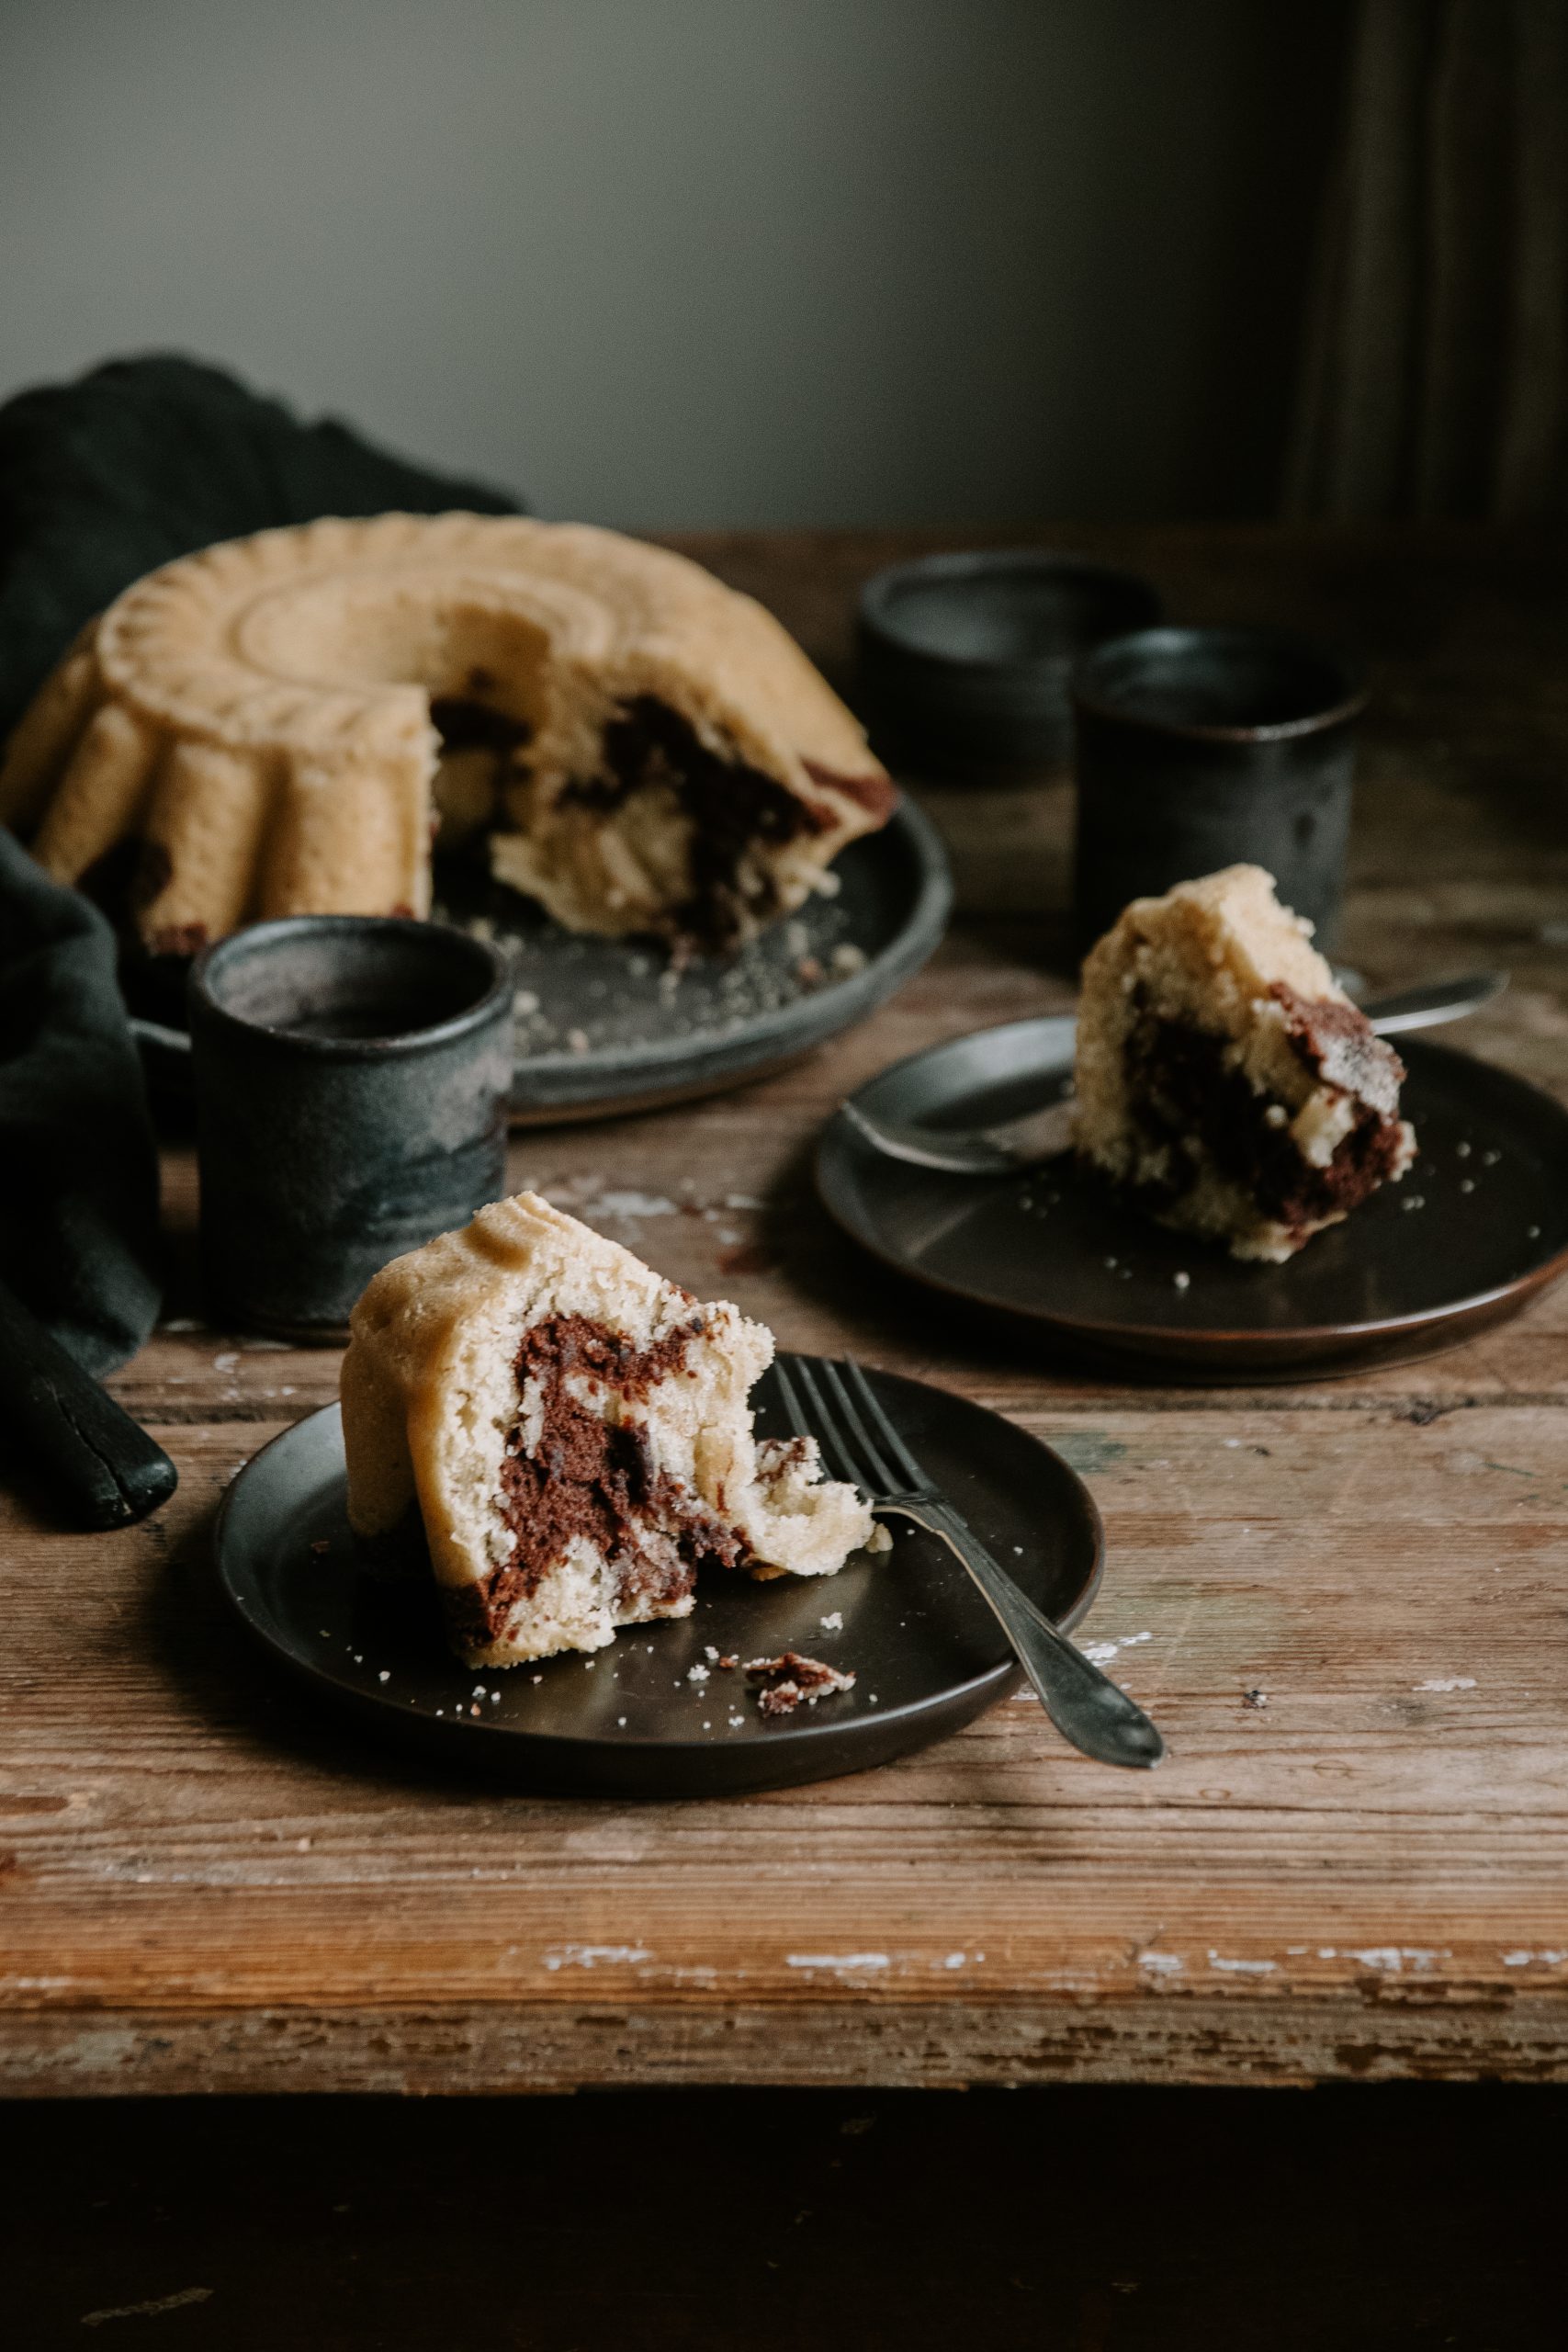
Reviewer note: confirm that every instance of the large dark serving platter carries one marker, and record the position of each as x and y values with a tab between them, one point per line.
1476	1228
927	1654
610	1026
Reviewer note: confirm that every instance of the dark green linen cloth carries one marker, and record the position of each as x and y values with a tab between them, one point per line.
145	459
100	481
78	1165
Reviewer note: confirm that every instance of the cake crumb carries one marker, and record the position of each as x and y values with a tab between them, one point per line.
697	1673
879	1539
790	1681
833	1623
1182	1281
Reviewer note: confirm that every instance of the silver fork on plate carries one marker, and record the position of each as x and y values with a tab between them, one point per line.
835	1404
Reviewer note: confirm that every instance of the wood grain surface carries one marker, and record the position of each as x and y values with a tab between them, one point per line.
1347	1603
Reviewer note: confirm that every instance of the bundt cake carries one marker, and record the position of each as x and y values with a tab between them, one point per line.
274	725
574	1433
1223	1078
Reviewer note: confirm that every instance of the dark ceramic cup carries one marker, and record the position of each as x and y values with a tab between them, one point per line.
965	661
352	1076
1198	748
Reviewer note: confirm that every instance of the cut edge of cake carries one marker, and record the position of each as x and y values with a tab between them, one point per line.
573	1435
274	725
1223	1080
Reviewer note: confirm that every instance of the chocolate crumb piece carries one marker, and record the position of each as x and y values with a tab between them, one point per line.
790	1681
732	1659
322	1543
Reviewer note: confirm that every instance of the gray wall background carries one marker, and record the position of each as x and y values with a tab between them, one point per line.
666	263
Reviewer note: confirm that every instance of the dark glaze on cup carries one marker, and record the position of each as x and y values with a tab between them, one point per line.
966	660
352	1075
1199	748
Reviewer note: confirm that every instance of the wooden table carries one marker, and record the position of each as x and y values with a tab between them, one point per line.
1360	1871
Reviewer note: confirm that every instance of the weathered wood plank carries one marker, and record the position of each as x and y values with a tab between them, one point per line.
1370	1866
743	1221
204	1884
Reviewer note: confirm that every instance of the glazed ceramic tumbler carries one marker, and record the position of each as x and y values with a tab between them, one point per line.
1198	748
965	661
352	1080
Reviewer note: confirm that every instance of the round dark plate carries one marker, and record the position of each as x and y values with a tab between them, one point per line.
607	1025
1478	1225
926	1651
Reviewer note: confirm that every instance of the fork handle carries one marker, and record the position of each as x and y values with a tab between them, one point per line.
1085	1706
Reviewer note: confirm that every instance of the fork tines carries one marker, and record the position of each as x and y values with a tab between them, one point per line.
842	1412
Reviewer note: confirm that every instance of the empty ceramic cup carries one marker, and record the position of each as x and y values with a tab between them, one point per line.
1199	748
965	661
351	1078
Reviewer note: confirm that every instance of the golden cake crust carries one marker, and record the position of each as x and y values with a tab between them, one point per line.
259	717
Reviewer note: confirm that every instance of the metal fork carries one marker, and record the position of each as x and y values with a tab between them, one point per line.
858	1442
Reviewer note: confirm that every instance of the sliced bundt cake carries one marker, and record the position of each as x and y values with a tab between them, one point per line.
274	725
574	1433
1223	1078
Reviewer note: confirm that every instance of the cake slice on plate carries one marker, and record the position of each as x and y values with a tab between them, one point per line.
1223	1078
574	1434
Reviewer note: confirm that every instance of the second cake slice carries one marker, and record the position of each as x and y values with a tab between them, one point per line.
1225	1081
574	1434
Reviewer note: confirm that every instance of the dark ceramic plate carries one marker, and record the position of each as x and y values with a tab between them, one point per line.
926	1651
606	1026
1478	1225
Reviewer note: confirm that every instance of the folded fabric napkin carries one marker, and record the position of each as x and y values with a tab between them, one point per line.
78	1167
100	481
146	460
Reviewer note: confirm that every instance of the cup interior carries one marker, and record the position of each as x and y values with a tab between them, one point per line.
1227	681
1005	610
349	979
